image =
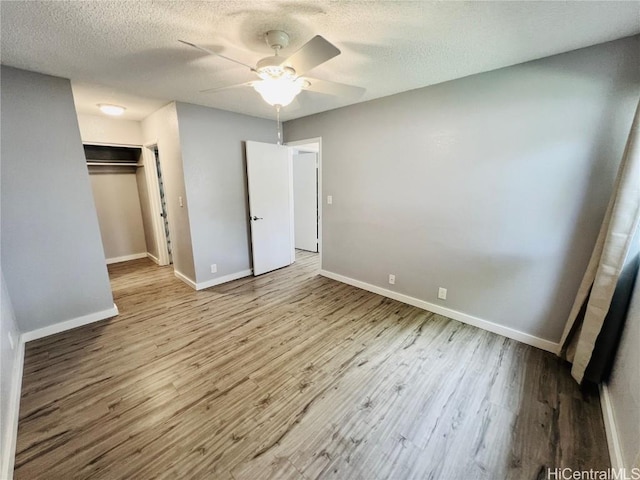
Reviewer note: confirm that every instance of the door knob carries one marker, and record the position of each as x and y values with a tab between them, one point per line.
256	218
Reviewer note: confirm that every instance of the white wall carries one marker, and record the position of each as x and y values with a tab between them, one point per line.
102	129
215	176
493	186
10	380
305	201
161	127
151	242
52	256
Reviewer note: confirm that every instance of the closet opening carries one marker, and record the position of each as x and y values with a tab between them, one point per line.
128	194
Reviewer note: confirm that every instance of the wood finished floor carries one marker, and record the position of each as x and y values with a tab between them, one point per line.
291	375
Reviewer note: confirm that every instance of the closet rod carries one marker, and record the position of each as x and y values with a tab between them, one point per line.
113	164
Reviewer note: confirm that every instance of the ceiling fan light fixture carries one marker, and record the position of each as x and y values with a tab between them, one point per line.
278	92
114	110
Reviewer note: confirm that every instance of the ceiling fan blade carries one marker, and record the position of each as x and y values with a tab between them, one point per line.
228	87
311	54
211	52
333	88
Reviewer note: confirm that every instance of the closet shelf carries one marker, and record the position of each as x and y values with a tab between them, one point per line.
103	155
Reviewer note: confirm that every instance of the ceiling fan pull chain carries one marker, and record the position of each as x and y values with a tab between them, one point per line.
279	125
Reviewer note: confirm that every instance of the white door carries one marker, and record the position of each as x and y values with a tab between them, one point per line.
305	201
270	183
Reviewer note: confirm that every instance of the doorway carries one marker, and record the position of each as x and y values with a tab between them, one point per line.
270	175
308	208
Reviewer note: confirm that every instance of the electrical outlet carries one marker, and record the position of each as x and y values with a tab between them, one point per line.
392	279
214	268
180	201
329	199
442	293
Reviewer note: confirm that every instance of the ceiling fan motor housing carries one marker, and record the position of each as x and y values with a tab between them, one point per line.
277	39
272	68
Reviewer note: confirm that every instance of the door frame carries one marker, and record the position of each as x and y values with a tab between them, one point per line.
318	141
151	175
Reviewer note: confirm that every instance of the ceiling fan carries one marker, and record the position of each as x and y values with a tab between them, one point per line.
281	79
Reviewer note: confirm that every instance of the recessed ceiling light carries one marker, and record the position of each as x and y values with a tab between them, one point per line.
111	109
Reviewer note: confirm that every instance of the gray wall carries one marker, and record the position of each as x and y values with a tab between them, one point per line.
624	383
492	186
161	128
115	192
215	178
52	255
8	379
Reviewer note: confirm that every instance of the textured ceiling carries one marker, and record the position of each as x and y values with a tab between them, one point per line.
132	47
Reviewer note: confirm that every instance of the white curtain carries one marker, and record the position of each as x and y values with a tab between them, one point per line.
614	241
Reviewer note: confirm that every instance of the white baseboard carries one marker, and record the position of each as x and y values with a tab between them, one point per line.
522	337
613	440
186	280
153	258
69	324
126	258
10	430
212	282
220	280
